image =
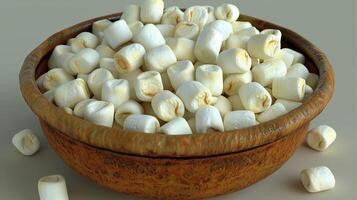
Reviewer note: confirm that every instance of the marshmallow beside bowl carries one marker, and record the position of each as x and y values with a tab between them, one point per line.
142	164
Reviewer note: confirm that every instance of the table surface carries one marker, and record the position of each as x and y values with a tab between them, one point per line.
329	24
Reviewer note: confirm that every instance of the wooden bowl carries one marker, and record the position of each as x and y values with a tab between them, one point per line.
175	167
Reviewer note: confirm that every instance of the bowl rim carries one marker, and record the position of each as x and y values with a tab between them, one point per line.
159	145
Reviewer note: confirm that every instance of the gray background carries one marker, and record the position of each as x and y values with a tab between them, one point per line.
330	24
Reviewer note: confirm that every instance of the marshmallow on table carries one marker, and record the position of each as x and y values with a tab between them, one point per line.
151	11
166	81
283	55
183	48
233	82
228	12
298	57
234	61
52	188
236	102
150	37
125	109
148	124
240	25
298	70
240	39
180	73
239	119
147	85
289	105
266	72
208	119
172	15
211	76
109	64
273	112
71	93
100	113
321	138
129	58
131	78
289	88
83	62
194	95
116	91
223	105
105	51
26	142
79	108
177	126
117	34
96	80
159	58
263	46
275	32
131	14
84	40
208	45
255	97
312	80
167	30
197	15
54	78
223	27
317	179
98	27
188	30
167	106
56	57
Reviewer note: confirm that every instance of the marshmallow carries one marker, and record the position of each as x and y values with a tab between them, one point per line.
148	124
125	109
105	51
98	27
84	40
208	120
263	46
131	78
192	123
167	30
100	113
172	15
240	25
211	15
233	82
159	58
236	102
79	108
83	62
109	64
289	88
255	61
96	80
26	142
223	27
55	77
116	91
317	179
240	39
177	126
151	11
273	112
298	57
183	48
131	14
52	188
167	106
69	42
255	97
197	15
129	58
117	34
289	105
321	138
180	73
211	76
147	85
50	95
308	91
136	27
283	55
266	72
234	61
298	70
239	119
194	95
56	59
312	80
187	30
275	32
223	105
71	93
208	45
150	37
228	12
166	81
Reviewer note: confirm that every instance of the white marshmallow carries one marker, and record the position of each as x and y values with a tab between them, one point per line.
129	58
275	32
233	82
109	64
172	15
255	61
321	137
131	14
147	85
117	34
298	70
63	61
151	11
180	73
298	57
84	40
50	95
283	55
240	25
105	51
148	124
312	80
240	39
83	62
136	27
69	42
239	119
197	15
266	72
52	188
234	61
236	102
289	88
187	30
208	46
211	15
26	142
159	58
125	109
211	76
83	76
273	112
150	37
177	126
183	48
167	30
255	97
131	78
98	27
166	81
71	93
56	58
289	105
223	105
263	46
54	78
223	27
208	120
116	91
317	179
79	108
167	106
228	12
194	95
100	113
308	91
96	80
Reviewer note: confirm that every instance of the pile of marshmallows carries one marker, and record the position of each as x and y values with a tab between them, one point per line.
180	72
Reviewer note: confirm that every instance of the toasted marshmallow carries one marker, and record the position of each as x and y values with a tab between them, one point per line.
211	76
151	11
208	46
273	112
223	27
283	55
180	73
56	59
159	58
223	105
52	188
148	124
275	32
187	30
116	91
197	15
263	46
150	37
317	179
125	109
84	40
129	58
100	113
228	12
26	142
298	70
71	93
131	14
167	30
321	138
265	73
177	126
147	85
105	51
289	88
54	78
79	108
255	97
194	95
131	78
117	34
240	39
236	102
167	106
183	48
240	25
298	57
234	61
98	28
109	64
96	80
239	119
83	62
312	80
289	105
136	27
233	82
172	15
208	120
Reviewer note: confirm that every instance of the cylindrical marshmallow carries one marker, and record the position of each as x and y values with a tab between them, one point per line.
151	11
321	137
275	32
117	34
240	39
289	105
131	78
50	95
71	93
298	57
211	15
233	82
239	119
228	12
266	72
56	56
298	70
131	14
255	97
183	48
240	25
26	142
273	112
148	123
211	76
147	85
177	126
116	91
187	30
223	105
150	37
317	179
194	95
109	64
234	61
84	40
98	27
236	102
136	27
223	27
52	188
129	58
283	55
312	80
197	15
100	113
289	88
263	46
208	46
105	51
79	108
172	15
125	109
83	62
159	58
167	106
167	30
180	73
55	77
208	119
96	80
